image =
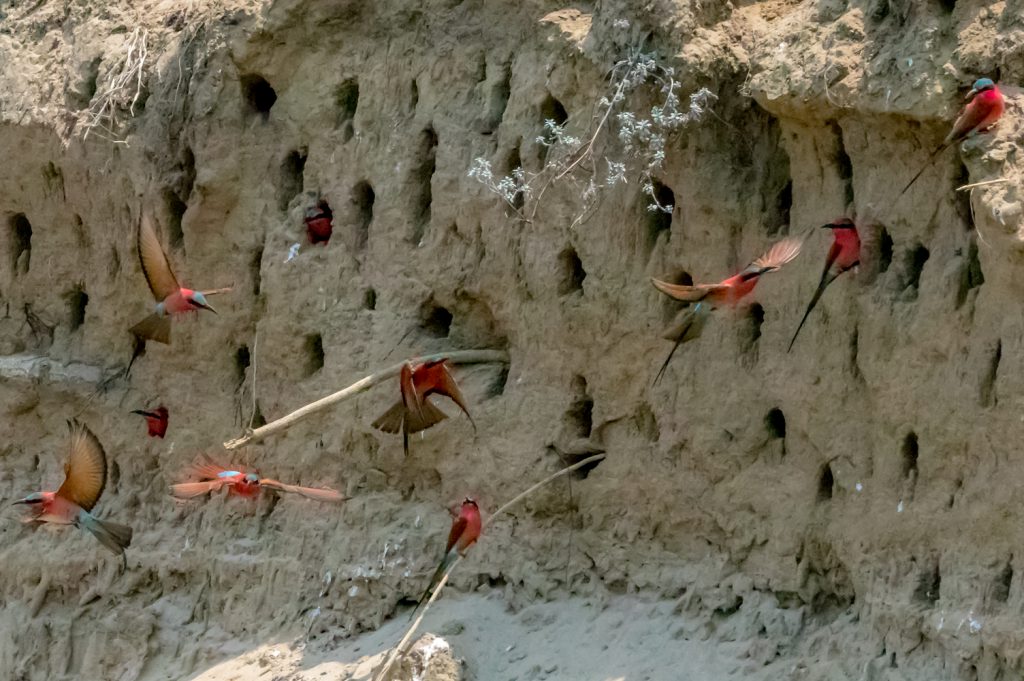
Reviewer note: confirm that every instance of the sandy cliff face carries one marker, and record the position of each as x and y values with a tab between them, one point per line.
843	511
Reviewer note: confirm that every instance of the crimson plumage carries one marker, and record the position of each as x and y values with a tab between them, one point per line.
85	477
172	299
729	292
156	420
463	534
319	221
413	411
984	107
843	255
213	477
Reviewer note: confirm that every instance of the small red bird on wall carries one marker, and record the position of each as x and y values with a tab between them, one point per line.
319	223
984	107
464	532
156	420
843	255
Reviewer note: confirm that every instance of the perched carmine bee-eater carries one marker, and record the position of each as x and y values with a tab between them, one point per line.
319	223
85	477
213	477
984	107
172	299
728	293
843	255
464	533
156	420
414	412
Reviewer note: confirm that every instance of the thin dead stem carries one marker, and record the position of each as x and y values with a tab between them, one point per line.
400	649
285	422
123	90
986	183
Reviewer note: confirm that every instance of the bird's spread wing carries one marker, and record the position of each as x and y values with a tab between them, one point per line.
188	490
690	294
391	420
458	527
429	415
446	385
208	469
85	470
318	493
158	272
778	255
218	291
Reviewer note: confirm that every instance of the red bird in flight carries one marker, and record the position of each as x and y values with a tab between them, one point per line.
414	411
464	533
85	477
984	107
729	292
172	298
843	255
156	420
213	477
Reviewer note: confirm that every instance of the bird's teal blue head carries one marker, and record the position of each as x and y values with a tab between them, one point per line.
199	300
980	85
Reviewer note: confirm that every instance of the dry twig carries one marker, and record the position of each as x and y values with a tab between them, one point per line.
285	422
399	650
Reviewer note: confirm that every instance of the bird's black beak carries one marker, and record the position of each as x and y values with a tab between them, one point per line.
971	94
828	226
21	501
139	412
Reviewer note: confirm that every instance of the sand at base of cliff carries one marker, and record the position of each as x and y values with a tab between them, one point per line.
626	639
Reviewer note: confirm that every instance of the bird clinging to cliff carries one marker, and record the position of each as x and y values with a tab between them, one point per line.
213	477
319	223
843	255
172	298
463	534
729	292
414	411
85	477
984	107
156	420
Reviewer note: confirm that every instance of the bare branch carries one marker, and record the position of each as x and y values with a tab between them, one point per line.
285	422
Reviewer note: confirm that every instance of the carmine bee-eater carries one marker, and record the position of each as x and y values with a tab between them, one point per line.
729	292
213	477
984	107
85	477
156	420
319	222
172	298
843	255
464	533
414	411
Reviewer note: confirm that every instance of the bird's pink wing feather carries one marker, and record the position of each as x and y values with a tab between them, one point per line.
188	490
778	255
690	294
317	493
